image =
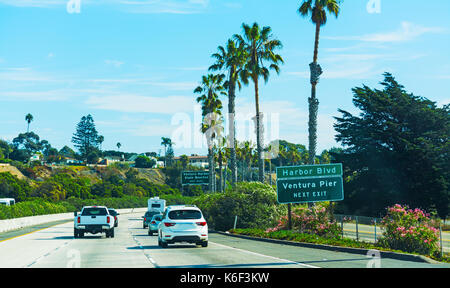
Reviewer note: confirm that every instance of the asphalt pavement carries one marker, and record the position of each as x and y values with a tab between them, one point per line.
55	247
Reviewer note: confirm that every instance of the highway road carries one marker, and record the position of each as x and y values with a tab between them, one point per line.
55	247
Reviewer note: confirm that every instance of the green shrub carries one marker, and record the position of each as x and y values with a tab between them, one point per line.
12	187
255	204
410	231
31	208
316	220
144	162
50	191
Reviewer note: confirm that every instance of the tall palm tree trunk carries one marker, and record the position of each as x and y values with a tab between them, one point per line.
220	173
316	43
258	134
313	102
313	111
232	130
211	169
165	156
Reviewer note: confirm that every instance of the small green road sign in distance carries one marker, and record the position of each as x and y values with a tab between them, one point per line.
194	178
310	183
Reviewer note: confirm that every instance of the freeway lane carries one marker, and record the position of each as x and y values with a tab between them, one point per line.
55	247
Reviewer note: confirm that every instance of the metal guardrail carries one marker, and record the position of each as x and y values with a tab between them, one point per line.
368	229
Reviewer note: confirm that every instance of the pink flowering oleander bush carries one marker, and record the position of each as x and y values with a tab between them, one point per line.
318	221
410	230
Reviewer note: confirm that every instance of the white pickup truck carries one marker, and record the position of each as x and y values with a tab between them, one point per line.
94	220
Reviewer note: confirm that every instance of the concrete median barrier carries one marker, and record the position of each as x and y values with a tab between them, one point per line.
19	223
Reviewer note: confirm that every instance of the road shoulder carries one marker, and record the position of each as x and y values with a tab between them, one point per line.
359	251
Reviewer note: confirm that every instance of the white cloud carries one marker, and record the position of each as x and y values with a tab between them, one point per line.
33	3
114	63
233	5
325	134
132	103
49	95
23	74
343	72
170	86
164	6
131	6
138	126
407	32
292	125
175	86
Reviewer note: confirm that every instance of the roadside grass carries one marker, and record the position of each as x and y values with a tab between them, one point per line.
314	239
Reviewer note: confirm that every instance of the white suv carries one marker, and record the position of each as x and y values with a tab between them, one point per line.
183	223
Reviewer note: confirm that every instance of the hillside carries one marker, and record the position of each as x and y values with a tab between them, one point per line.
95	174
153	175
4	168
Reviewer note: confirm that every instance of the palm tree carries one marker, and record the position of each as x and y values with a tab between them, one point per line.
247	149
165	142
220	147
231	60
29	118
210	89
184	159
318	10
260	46
118	146
100	141
294	157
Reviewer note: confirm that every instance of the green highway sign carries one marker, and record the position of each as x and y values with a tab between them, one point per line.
310	183
308	171
194	178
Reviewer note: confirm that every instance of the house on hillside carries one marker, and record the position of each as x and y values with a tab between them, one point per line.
71	161
196	161
109	160
35	157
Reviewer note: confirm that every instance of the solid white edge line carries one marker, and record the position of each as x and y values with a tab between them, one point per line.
267	256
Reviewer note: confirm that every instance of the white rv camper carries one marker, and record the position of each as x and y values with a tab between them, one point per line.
156	205
7	201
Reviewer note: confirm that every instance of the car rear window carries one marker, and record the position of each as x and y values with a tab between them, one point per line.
157	218
94	212
185	215
112	212
151	214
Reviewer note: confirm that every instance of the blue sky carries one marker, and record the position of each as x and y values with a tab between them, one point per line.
133	65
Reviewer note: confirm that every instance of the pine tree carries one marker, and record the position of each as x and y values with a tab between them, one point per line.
397	150
85	139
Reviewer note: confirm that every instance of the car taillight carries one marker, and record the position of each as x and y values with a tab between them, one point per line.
153	222
108	219
78	220
169	224
201	223
145	219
